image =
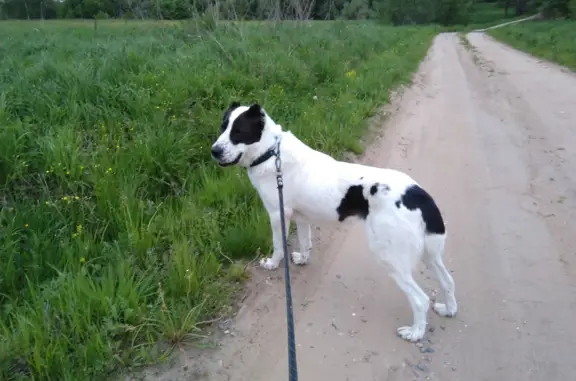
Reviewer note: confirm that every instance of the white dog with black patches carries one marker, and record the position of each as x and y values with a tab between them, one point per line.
403	223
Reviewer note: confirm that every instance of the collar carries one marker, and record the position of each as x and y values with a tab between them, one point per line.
272	151
265	156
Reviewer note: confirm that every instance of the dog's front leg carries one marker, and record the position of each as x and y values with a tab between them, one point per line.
305	241
276	225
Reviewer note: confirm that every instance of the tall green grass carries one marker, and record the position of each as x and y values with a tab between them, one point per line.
552	40
118	232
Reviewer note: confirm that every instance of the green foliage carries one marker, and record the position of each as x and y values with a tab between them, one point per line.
399	12
444	12
552	40
358	10
489	13
552	9
117	230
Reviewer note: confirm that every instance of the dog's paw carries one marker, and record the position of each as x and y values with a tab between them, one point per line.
300	259
411	333
269	264
442	310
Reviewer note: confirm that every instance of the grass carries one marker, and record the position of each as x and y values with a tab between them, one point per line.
118	232
552	40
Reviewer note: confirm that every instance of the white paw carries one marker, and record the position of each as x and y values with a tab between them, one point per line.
412	333
300	259
442	310
269	264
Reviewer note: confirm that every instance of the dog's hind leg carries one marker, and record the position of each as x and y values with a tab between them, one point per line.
419	302
433	252
276	225
305	241
399	248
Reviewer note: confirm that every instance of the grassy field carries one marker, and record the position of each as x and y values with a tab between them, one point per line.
118	232
552	40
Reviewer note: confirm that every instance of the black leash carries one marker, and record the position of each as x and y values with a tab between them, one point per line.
292	368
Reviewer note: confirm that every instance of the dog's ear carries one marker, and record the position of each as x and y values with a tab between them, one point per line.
255	111
234	105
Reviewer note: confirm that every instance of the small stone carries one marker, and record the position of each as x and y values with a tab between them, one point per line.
431	329
453	368
419	345
421	367
199	372
443	328
427	350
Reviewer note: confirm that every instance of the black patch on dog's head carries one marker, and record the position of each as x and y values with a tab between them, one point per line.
353	204
374	189
417	198
247	127
226	118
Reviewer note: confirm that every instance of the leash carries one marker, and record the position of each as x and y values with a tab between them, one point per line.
292	368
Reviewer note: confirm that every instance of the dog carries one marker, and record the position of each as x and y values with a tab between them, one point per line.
402	221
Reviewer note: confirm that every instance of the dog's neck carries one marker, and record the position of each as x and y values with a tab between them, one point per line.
271	152
266	146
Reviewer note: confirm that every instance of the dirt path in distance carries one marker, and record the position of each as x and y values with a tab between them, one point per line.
491	133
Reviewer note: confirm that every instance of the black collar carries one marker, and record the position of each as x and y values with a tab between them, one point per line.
265	156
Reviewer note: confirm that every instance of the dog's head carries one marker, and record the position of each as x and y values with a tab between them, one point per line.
245	134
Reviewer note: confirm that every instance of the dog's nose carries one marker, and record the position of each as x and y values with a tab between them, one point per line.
217	151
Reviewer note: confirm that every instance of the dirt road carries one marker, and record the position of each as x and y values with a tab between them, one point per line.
491	133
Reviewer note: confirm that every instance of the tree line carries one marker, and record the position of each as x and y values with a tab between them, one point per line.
398	12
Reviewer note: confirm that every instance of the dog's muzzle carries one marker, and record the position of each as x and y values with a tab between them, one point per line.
218	152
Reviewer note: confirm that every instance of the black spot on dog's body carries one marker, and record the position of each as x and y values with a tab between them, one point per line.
226	118
374	188
247	127
417	198
353	204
